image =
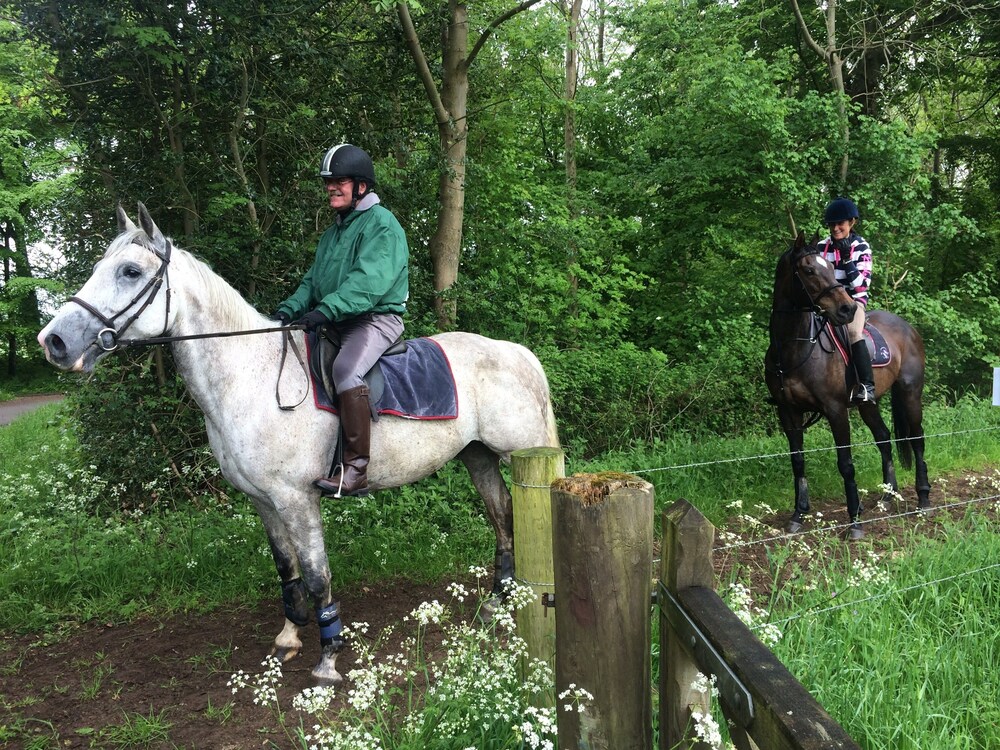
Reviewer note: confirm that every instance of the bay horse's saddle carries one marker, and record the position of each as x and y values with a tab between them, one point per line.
878	347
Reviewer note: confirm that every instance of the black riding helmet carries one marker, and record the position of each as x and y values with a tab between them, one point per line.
346	160
840	209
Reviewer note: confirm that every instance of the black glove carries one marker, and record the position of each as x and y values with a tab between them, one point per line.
281	317
843	245
312	320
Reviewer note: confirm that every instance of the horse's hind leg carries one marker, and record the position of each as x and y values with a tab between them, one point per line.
907	415
484	468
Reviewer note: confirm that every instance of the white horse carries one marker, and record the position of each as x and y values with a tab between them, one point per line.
147	286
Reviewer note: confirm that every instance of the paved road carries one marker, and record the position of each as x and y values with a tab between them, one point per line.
11	410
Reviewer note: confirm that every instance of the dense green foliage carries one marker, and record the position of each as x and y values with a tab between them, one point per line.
704	134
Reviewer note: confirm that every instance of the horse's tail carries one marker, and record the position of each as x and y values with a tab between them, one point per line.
901	426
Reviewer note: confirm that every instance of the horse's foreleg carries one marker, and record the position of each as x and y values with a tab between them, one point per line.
841	427
316	577
299	551
287	644
484	468
883	439
791	423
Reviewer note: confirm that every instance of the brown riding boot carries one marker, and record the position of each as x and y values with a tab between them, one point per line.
356	424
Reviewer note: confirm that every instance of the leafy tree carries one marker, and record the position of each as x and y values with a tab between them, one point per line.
32	174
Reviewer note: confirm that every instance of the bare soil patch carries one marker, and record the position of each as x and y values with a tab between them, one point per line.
74	691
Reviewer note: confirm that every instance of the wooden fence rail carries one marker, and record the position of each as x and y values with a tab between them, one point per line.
766	706
602	541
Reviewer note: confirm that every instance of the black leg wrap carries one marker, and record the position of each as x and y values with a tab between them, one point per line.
293	595
503	569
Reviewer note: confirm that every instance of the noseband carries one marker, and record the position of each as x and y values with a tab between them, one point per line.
108	337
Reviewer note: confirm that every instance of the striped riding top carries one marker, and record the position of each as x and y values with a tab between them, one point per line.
852	267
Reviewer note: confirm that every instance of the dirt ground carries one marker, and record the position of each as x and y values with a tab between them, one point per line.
74	692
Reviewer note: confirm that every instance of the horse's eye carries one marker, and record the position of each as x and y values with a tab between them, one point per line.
131	272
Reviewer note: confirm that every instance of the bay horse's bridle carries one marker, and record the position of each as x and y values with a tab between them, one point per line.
814	301
108	338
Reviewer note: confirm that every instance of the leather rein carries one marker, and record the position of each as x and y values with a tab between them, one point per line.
109	338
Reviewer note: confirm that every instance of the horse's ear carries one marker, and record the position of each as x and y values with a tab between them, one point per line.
815	238
124	222
149	227
800	240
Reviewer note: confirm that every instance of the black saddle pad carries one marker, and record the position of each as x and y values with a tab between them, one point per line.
419	383
878	347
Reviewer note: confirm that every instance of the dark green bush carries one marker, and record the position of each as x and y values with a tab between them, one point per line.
143	434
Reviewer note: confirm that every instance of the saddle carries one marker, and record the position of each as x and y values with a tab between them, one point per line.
323	348
878	347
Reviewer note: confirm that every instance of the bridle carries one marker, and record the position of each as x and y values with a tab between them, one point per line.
814	301
109	337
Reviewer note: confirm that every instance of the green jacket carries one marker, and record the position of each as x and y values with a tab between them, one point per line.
361	266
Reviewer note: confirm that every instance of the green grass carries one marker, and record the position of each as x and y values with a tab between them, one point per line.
912	661
712	471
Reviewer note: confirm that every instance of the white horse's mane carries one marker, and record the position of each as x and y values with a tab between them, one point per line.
217	293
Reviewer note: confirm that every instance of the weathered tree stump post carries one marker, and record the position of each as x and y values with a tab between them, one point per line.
533	470
686	561
603	545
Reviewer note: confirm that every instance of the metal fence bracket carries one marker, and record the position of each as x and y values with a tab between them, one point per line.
732	691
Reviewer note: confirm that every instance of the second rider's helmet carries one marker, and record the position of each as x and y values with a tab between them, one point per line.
840	209
346	160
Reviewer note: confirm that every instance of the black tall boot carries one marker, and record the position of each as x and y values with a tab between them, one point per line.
865	390
356	425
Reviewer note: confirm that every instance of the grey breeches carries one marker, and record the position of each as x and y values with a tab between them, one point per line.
362	341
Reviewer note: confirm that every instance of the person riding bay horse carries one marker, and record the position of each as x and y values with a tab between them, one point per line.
851	256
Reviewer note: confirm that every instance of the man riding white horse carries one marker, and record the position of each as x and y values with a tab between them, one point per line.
357	286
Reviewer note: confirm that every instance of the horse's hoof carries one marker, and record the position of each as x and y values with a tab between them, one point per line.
326	675
285	654
854	532
924	505
793	527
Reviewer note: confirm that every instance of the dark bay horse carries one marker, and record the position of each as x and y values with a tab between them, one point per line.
806	375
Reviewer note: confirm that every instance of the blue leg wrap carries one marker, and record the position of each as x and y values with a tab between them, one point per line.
330	626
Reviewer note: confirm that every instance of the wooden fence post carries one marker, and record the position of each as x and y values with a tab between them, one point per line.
532	472
603	549
686	560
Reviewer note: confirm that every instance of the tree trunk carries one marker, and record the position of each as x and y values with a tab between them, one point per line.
241	174
450	106
835	67
569	146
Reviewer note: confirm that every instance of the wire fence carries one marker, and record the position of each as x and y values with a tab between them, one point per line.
829	528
